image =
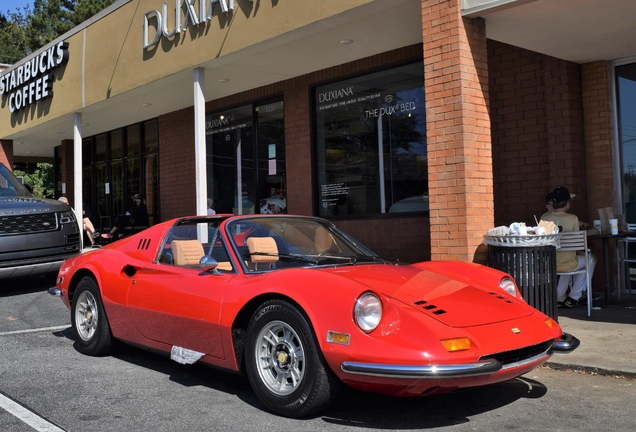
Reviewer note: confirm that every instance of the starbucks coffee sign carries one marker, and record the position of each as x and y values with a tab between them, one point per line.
32	80
185	13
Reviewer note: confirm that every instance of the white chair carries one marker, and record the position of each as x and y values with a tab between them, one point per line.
623	260
575	241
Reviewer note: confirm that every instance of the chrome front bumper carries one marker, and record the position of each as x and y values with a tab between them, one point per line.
485	367
565	344
55	291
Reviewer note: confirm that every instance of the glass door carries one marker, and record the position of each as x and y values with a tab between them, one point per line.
626	103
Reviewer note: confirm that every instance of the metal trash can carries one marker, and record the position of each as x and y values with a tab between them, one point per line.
533	268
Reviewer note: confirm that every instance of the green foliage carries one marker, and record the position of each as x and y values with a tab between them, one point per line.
13	43
23	32
38	175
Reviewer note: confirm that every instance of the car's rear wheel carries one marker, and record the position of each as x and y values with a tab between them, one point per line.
89	321
284	364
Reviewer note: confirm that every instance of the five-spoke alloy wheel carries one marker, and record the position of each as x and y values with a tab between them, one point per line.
284	364
89	321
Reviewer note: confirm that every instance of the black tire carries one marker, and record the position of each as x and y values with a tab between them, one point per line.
284	364
88	320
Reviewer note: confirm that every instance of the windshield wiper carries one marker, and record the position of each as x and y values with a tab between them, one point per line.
284	257
351	259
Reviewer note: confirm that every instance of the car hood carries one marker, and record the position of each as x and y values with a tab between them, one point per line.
27	205
456	302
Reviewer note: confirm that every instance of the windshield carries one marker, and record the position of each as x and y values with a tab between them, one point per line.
10	186
265	243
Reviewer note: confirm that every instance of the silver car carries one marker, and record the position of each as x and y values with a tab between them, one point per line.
36	234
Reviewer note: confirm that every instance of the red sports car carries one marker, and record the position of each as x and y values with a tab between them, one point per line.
301	307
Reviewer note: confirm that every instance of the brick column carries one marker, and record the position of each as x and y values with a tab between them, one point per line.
564	126
599	151
458	131
298	149
597	126
6	153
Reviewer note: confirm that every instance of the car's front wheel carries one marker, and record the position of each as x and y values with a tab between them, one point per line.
284	364
89	321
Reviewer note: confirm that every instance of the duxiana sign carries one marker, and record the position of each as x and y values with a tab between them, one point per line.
158	22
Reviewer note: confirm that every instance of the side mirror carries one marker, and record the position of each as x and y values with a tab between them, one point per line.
28	187
209	264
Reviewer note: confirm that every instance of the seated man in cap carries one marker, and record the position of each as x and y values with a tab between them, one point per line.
136	216
549	200
568	261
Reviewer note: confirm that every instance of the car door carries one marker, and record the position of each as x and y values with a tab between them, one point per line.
173	301
179	306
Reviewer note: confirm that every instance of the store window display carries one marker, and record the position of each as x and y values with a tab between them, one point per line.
371	144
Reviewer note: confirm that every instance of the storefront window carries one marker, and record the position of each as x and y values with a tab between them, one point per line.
371	144
246	159
125	163
626	98
272	190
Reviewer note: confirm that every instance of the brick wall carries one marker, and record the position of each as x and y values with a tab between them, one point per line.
403	238
177	190
458	131
6	153
537	132
599	148
600	157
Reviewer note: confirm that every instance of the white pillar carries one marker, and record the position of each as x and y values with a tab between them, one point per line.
199	142
77	173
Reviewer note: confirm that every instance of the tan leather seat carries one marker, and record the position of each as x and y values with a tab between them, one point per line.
186	252
262	245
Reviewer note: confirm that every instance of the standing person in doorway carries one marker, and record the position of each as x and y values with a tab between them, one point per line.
210	205
136	216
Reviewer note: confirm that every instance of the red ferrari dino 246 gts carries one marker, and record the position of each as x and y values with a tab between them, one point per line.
301	307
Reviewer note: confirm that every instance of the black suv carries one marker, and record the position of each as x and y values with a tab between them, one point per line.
36	234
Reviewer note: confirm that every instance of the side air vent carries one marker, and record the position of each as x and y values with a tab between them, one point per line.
429	307
144	244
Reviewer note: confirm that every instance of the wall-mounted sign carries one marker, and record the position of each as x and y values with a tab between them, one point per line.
183	15
32	80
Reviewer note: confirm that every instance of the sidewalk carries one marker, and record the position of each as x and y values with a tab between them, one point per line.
608	338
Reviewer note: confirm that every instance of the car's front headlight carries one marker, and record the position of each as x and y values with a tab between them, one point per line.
368	312
508	285
67	217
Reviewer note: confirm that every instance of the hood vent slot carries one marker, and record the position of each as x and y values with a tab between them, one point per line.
429	307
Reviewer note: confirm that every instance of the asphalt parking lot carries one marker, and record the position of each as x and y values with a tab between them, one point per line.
47	385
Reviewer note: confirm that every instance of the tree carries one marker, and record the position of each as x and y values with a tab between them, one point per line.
13	43
23	32
52	18
39	175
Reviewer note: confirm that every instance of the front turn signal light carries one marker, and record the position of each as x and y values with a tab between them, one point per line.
550	322
457	344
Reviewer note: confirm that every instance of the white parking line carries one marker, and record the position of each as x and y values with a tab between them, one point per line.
35	330
28	417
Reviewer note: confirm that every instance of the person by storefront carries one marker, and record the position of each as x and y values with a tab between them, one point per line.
136	216
568	261
88	226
